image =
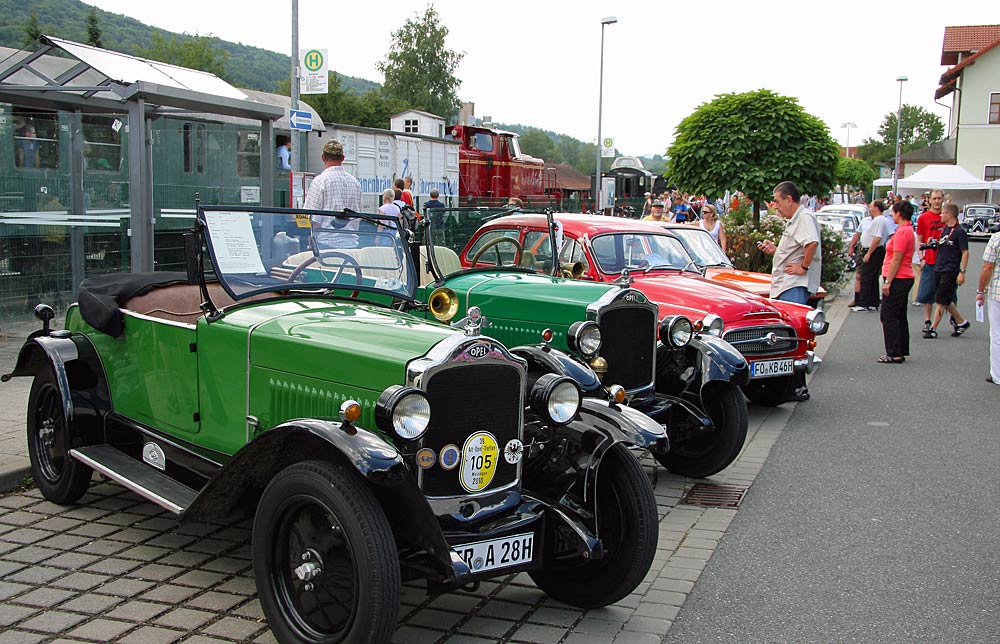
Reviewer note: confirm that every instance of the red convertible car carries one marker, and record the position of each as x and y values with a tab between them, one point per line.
717	267
776	337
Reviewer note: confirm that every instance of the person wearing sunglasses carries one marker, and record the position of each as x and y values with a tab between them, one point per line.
710	222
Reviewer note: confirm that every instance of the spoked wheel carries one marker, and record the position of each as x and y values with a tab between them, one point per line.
61	478
771	392
712	451
627	525
324	558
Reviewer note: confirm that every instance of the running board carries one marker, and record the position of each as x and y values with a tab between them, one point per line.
134	475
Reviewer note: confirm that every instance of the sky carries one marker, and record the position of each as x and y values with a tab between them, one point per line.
537	63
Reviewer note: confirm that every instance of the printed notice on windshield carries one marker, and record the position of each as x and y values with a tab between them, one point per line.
233	242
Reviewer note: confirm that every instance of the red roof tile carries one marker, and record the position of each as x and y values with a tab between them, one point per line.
970	38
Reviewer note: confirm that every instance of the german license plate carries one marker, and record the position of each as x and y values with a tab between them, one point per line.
770	368
482	556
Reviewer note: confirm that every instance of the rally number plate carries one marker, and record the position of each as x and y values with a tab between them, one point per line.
771	368
483	556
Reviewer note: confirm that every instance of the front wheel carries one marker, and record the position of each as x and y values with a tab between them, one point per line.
771	392
61	478
324	558
709	452
627	526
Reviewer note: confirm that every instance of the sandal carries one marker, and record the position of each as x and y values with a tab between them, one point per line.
891	360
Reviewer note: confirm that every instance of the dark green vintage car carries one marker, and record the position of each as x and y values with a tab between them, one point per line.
285	377
676	371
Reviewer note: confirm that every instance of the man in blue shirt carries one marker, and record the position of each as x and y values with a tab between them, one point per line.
284	153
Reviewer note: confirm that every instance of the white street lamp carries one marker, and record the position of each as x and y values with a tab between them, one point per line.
847	148
899	120
610	20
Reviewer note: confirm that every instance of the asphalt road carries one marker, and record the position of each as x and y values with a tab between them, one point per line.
875	517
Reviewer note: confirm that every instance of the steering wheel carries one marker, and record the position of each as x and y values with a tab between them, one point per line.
493	243
309	261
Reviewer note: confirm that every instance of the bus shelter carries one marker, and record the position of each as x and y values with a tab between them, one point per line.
90	130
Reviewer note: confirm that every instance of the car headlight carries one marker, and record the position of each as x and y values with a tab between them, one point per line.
817	321
676	331
712	324
556	399
404	412
584	338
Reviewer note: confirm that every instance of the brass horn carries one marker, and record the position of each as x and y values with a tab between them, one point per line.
443	304
574	269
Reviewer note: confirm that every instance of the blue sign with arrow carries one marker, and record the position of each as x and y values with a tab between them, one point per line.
300	120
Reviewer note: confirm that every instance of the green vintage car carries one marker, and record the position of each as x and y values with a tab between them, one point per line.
676	371
369	445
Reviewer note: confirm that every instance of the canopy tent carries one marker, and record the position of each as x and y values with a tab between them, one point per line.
949	178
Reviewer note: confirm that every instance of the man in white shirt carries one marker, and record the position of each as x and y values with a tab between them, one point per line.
874	233
338	190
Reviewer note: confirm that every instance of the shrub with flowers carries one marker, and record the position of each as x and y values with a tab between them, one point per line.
742	237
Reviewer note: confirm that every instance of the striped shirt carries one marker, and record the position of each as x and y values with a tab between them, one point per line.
334	189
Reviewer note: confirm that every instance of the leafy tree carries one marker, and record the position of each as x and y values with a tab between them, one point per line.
751	142
539	144
194	52
32	32
94	36
919	129
854	172
419	70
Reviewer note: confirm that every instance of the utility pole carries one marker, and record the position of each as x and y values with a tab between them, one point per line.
295	84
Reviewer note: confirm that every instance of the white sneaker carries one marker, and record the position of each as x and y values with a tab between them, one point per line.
858	309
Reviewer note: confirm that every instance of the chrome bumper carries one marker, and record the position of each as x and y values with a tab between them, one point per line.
808	364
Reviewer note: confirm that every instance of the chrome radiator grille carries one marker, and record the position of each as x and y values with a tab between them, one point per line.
755	341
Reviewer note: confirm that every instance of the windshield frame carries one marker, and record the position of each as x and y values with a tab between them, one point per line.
295	289
646	269
691	232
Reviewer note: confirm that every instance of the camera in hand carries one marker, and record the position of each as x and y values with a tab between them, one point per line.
934	244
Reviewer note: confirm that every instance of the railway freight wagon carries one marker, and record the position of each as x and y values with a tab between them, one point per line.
377	157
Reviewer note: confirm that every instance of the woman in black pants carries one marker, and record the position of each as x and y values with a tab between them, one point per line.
897	280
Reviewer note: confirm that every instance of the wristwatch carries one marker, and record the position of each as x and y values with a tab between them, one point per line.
961	270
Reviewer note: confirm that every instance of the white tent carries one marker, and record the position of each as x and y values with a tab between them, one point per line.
949	178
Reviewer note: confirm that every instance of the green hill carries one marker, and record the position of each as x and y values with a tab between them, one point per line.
247	66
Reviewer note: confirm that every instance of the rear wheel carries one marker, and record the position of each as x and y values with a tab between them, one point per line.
627	526
324	558
709	452
60	478
771	392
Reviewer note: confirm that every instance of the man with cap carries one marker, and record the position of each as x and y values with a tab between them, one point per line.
334	189
655	212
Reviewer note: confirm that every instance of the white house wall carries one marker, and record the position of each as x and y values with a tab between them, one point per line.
978	141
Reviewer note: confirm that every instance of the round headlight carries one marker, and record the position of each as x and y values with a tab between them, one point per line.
817	320
403	411
585	338
556	398
676	331
712	324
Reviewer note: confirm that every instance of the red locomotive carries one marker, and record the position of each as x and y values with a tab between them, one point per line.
493	168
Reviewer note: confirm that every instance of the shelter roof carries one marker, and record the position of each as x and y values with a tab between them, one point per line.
61	74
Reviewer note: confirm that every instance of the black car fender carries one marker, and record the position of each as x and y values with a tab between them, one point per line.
236	488
542	360
720	360
562	462
79	375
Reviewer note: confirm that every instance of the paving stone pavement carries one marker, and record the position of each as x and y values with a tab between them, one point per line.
115	568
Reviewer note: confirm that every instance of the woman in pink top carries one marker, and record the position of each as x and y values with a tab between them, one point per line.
897	277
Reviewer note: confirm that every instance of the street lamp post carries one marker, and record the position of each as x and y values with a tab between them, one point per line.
847	148
610	20
899	121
